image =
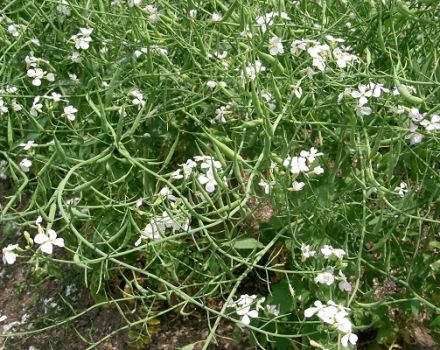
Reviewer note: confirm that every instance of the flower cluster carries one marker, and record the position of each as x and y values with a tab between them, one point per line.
303	164
251	70
205	167
83	38
276	46
138	98
35	72
327	277
268	18
64	8
222	113
153	49
158	225
321	52
430	123
335	316
243	307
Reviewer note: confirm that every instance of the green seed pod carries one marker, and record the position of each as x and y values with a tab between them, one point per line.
406	94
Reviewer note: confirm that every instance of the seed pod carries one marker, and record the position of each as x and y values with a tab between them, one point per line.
406	95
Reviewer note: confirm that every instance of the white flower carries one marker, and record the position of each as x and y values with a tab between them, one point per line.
9	255
75	57
139	202
347	92
207	162
13	30
265	185
166	192
221	113
275	46
297	186
138	98
413	136
246	314
402	189
328	251
319	306
192	13
3	165
48	240
298	92
433	124
349	338
64	8
296	164
318	170
246	33
15	106
153	231
36	107
311	155
343	57
132	3
362	94
363	110
73	77
252	70
344	285
83	39
306	252
28	145
3	108
377	89
188	167
273	310
216	17
25	165
415	115
211	84
208	180
55	97
177	174
325	278
37	74
69	112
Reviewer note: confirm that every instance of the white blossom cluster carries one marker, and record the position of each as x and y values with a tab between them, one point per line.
45	238
251	70
303	164
204	167
244	307
222	113
83	38
320	53
36	72
429	123
153	49
362	96
268	19
336	316
327	277
157	227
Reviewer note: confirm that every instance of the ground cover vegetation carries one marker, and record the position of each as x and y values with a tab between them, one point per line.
273	165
